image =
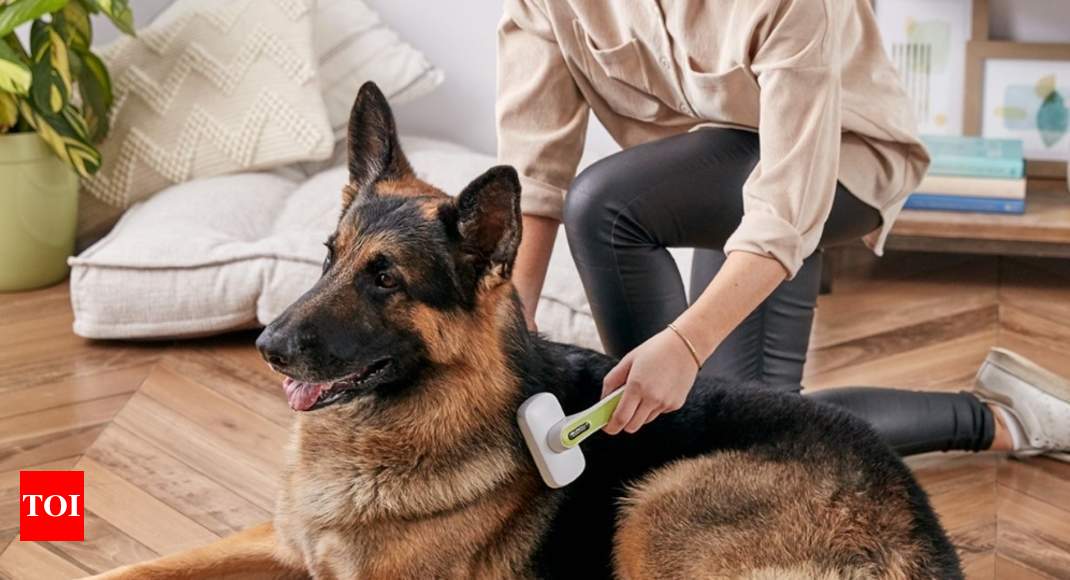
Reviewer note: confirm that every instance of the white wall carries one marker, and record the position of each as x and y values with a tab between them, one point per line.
459	37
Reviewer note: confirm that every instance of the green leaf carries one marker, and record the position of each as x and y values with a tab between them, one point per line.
118	11
15	76
60	60
9	112
64	139
52	86
73	23
94	85
20	12
89	6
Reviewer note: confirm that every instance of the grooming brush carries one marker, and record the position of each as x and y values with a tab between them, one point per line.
554	439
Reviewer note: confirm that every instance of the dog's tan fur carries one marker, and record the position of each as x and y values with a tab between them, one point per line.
730	513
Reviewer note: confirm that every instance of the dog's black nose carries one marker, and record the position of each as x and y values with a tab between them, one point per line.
273	348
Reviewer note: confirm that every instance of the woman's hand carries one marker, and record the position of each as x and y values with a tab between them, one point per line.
659	373
657	376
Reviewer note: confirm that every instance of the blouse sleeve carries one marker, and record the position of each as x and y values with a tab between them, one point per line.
788	196
541	115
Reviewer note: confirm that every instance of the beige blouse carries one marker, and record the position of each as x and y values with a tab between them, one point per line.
809	76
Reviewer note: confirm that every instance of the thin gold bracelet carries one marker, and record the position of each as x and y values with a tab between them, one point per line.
687	343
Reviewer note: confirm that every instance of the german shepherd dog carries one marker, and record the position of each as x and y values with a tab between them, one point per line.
407	362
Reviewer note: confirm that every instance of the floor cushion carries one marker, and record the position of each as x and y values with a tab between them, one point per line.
231	252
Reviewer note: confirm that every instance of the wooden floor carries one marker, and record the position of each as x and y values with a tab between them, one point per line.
181	442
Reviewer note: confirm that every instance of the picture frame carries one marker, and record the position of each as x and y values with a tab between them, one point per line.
1031	79
926	42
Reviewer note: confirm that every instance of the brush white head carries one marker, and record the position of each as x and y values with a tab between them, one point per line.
537	416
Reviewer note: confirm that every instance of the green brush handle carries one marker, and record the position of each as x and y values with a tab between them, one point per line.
582	425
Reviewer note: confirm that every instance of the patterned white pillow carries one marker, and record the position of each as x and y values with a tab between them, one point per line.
209	88
354	45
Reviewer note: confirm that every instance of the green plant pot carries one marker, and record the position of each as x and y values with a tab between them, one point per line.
38	213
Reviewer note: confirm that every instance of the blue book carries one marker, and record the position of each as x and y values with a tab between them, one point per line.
975	156
929	201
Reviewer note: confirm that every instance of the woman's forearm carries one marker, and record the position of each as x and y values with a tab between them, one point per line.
532	260
743	282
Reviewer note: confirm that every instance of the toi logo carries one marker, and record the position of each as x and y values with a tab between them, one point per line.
51	506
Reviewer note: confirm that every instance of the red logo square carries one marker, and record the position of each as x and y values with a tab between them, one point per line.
52	506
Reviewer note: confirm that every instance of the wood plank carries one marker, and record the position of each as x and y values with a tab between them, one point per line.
57	354
33	560
33	304
1012	569
981	567
941	473
105	547
864	310
1039	328
38	347
933	331
230	423
1041	478
22	432
49	447
137	513
246	476
236	373
1033	532
969	516
947	366
174	483
71	390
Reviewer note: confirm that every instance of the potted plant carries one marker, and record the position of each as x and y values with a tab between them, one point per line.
54	102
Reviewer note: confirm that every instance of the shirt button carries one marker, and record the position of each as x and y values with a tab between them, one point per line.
663	61
682	105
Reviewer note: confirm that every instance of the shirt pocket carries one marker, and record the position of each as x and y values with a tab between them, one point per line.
618	76
729	96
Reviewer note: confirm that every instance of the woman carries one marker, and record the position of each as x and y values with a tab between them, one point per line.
681	86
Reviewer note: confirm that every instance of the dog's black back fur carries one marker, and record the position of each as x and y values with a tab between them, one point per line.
776	425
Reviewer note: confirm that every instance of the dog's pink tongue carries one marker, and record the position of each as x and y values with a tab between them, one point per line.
302	396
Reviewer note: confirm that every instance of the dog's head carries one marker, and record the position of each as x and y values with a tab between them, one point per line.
407	270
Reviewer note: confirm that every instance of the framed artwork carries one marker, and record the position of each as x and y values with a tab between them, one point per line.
1022	91
926	40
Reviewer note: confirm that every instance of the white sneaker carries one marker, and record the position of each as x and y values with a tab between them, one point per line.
1037	397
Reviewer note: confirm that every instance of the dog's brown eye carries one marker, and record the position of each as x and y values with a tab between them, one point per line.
384	280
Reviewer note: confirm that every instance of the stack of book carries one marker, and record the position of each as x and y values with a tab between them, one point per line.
972	174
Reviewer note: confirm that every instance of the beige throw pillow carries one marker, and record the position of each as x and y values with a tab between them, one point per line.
354	45
209	88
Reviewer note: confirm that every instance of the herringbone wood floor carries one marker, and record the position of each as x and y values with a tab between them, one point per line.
181	442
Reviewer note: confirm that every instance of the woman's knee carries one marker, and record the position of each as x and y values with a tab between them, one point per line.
594	198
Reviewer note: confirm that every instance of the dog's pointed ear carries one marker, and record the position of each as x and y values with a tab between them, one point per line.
488	219
374	152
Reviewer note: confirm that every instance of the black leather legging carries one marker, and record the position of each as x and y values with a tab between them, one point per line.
686	191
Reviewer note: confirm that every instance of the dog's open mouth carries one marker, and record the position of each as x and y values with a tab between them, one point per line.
311	396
